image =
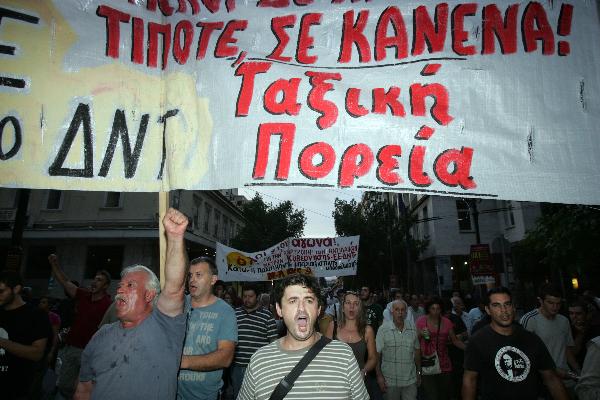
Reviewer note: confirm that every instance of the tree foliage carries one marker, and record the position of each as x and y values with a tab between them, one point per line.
383	242
268	224
565	239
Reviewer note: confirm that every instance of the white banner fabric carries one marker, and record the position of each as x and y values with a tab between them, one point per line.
319	257
472	99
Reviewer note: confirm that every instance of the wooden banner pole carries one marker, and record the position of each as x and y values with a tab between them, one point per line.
163	204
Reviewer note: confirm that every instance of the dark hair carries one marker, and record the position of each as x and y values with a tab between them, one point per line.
219	283
208	260
549	289
306	281
105	274
497	290
11	279
368	287
434	300
579	303
448	304
50	300
251	286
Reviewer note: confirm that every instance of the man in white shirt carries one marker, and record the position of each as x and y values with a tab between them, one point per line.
554	330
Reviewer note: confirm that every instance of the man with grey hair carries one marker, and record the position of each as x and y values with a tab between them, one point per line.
399	355
138	357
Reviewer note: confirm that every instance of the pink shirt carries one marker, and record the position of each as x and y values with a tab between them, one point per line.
429	346
54	318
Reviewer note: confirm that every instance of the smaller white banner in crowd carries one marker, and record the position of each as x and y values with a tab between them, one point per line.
319	257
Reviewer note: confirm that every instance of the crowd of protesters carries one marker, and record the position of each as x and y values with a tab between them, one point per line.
200	338
444	327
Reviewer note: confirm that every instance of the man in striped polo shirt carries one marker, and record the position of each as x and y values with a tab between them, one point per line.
256	328
332	374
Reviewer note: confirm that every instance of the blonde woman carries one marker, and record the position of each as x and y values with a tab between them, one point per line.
353	330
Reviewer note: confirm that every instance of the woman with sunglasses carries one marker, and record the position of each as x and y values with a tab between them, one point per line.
353	330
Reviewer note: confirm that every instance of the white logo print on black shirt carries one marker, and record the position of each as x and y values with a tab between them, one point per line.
512	364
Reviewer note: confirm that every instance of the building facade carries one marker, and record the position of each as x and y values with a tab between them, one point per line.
107	230
452	225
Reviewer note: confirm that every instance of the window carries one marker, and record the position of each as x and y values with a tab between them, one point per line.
9	198
197	212
175	198
37	266
425	223
207	212
509	216
109	258
4	254
217	223
54	200
225	229
195	220
464	216
112	200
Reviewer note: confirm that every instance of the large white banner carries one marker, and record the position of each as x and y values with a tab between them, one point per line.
475	99
320	257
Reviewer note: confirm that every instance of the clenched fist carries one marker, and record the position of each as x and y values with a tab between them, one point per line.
175	222
53	260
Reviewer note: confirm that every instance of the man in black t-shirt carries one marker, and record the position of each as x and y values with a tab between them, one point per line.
373	310
458	317
374	314
23	336
507	358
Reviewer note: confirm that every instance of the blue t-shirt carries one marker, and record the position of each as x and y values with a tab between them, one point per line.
206	327
135	363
